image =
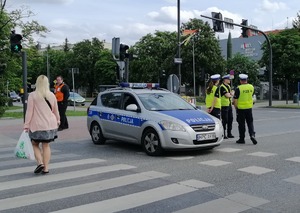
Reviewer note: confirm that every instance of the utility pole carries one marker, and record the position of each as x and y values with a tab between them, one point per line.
179	44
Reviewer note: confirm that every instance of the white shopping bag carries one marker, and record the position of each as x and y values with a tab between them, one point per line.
24	147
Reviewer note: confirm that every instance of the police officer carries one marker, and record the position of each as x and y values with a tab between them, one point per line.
226	106
212	100
62	94
243	103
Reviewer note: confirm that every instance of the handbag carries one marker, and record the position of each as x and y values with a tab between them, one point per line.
24	147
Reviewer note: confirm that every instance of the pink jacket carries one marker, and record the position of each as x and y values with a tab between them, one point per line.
39	116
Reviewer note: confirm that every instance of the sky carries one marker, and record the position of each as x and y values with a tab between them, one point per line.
130	20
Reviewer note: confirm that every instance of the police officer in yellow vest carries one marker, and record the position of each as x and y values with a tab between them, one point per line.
226	106
243	103
212	100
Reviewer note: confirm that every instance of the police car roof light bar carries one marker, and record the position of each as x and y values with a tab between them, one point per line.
140	85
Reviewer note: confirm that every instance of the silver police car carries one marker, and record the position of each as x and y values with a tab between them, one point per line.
155	118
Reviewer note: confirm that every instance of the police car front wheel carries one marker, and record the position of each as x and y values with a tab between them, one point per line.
151	143
96	134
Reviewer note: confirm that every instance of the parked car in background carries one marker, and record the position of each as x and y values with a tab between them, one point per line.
75	97
14	96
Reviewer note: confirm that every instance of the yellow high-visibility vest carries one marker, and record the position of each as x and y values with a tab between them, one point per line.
245	99
210	98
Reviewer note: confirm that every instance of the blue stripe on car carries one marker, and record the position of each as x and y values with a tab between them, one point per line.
123	119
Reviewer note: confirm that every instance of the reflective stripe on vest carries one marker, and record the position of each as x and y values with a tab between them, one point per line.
245	99
58	94
210	98
224	100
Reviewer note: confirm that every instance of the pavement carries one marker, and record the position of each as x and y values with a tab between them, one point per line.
11	128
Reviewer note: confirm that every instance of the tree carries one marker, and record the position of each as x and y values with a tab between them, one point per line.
8	21
242	64
207	52
296	22
286	54
157	50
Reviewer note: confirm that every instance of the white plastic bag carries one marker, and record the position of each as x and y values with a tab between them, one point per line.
24	147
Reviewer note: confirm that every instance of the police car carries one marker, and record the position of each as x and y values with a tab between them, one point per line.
155	118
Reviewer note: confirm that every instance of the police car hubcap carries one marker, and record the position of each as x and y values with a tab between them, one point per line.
151	142
96	132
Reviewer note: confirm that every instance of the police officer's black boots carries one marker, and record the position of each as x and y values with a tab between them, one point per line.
229	135
240	141
225	137
253	139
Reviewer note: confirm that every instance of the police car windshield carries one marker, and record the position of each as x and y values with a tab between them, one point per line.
163	102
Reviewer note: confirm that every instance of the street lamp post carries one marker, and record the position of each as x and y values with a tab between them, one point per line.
179	44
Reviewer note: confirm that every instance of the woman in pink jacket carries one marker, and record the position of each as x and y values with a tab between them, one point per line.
41	121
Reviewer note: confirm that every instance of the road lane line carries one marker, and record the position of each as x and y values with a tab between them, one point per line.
51	166
133	200
36	179
76	190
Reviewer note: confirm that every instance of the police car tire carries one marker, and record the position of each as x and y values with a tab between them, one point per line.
100	139
147	135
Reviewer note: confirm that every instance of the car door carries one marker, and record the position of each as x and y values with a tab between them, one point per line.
110	114
130	120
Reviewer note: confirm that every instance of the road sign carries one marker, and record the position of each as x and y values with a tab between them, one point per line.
178	60
173	83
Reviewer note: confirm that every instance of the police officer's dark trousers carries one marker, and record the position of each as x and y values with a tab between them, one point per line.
242	116
62	108
227	119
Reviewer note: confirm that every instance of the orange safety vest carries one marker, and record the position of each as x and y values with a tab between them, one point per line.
59	95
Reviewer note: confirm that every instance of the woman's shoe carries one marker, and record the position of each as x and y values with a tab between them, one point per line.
45	172
39	168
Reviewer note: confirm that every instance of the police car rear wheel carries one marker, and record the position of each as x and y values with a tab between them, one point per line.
151	143
96	134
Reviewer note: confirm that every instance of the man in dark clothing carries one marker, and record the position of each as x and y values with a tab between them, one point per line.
243	103
62	94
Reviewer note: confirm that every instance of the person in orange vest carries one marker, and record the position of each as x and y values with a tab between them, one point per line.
62	93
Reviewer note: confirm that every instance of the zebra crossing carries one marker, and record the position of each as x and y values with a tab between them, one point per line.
95	185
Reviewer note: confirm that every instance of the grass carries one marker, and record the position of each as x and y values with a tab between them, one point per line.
20	114
14	107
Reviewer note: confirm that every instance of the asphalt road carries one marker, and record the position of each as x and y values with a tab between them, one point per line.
119	177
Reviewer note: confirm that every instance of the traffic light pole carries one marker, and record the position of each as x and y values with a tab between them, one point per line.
24	68
270	53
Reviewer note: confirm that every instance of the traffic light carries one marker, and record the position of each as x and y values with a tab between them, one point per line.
244	29
218	25
15	42
123	51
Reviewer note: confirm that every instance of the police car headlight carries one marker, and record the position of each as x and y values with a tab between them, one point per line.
169	125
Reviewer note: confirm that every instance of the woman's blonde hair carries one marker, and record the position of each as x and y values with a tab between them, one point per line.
42	86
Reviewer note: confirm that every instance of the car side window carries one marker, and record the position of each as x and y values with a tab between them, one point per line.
94	102
111	100
128	99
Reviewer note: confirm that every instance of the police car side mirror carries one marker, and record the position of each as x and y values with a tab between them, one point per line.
133	107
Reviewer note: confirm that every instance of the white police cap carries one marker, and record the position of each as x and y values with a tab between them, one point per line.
215	77
226	76
243	76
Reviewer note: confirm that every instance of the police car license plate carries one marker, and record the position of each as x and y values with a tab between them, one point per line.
207	136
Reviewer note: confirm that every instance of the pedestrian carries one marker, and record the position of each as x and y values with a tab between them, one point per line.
226	106
243	103
212	100
62	93
41	122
